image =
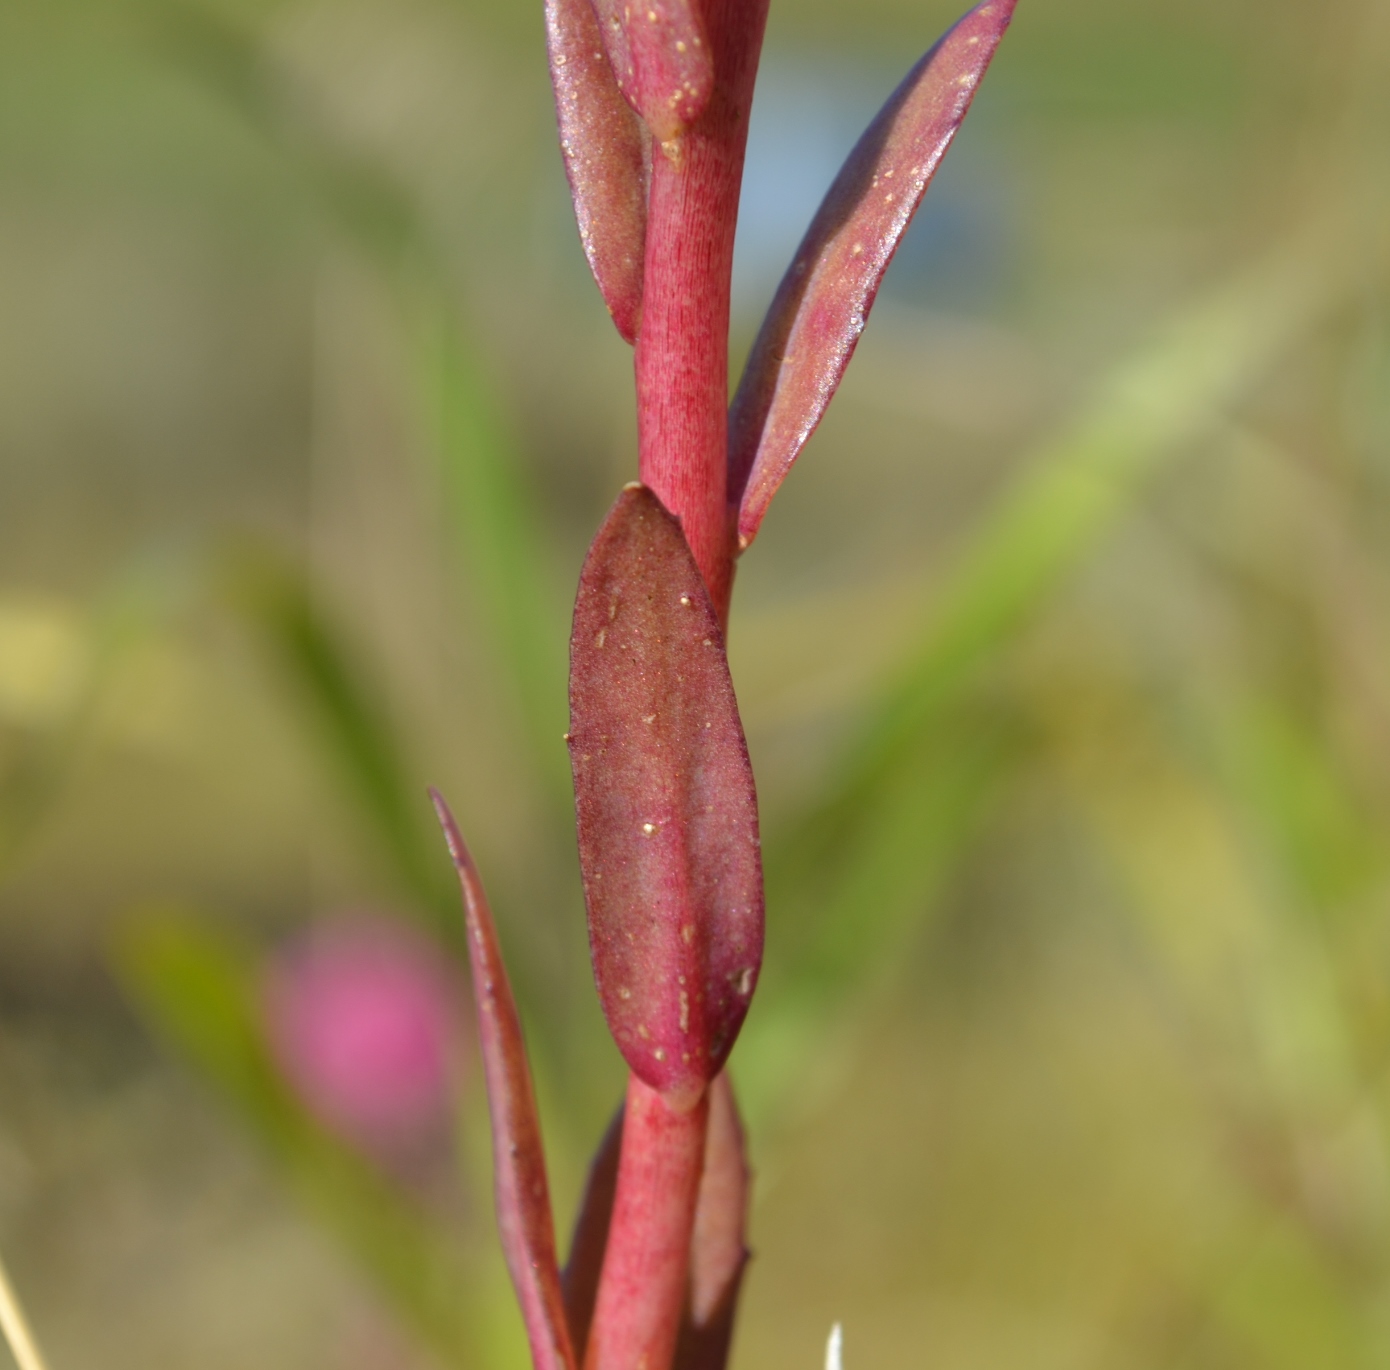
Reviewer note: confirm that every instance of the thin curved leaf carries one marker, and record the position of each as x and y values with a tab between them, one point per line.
605	150
520	1188
662	59
814	324
667	813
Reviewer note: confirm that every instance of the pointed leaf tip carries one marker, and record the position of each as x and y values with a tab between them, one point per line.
604	146
820	308
521	1191
662	59
667	812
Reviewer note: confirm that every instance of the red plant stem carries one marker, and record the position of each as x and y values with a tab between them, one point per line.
642	1291
682	355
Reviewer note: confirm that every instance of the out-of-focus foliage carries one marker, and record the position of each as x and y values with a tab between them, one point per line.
1063	662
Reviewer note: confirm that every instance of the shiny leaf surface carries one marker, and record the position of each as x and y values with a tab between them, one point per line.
662	59
520	1188
814	324
604	147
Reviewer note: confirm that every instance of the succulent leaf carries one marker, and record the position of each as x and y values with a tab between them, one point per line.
666	808
605	149
662	60
821	306
520	1188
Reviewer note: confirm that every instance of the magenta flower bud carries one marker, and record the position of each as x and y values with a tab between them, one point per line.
364	1022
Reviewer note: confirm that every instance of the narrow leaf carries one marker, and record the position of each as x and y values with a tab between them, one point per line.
667	812
718	1249
521	1191
351	722
590	1240
1077	485
604	147
662	59
496	527
820	308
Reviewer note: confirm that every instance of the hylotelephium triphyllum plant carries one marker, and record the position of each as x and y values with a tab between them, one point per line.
653	102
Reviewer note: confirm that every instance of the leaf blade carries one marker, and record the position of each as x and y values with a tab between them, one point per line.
521	1191
815	320
662	60
665	802
604	147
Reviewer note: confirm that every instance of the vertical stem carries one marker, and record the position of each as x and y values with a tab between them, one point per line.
642	1291
682	355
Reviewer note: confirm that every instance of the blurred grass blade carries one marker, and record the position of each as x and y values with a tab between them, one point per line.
520	1187
848	905
228	56
1255	978
199	993
350	718
868	858
499	541
1077	487
822	303
493	517
1331	848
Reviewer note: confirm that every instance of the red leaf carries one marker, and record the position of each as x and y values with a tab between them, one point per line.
590	1239
819	311
718	1252
605	149
667	813
519	1183
661	57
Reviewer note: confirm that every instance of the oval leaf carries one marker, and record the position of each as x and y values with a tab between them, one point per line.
604	147
667	812
662	60
520	1190
816	318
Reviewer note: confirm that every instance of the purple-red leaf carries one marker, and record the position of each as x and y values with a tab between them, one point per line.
819	311
662	60
519	1184
590	1240
718	1250
667	813
605	150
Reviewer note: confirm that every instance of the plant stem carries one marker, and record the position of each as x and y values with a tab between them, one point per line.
642	1291
682	354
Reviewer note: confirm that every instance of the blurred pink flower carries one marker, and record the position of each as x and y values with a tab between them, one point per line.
364	1021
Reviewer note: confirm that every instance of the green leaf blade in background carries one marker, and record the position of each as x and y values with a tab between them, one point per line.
198	992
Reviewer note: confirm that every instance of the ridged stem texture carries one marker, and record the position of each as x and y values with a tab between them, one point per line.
682	353
642	1292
